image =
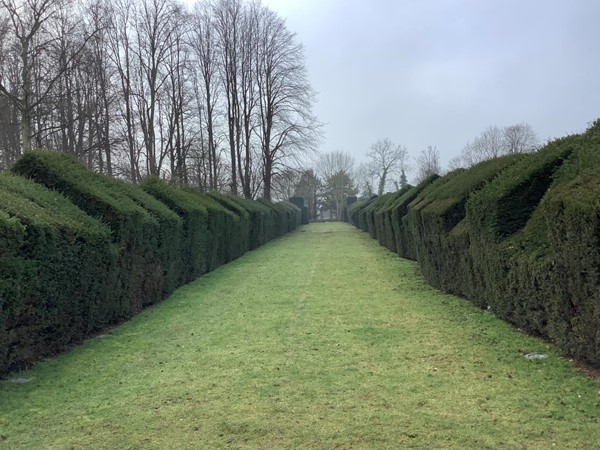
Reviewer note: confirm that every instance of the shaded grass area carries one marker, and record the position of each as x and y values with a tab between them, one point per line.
321	339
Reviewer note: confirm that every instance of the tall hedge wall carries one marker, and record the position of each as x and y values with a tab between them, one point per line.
286	217
384	232
398	211
304	215
147	233
519	235
57	276
194	259
433	215
260	220
81	251
356	208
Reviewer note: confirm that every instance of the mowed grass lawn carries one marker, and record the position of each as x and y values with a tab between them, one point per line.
319	340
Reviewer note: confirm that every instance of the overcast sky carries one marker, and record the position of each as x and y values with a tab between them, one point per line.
438	72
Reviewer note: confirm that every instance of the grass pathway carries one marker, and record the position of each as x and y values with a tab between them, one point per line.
321	339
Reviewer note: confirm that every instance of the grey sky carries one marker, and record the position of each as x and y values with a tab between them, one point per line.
438	72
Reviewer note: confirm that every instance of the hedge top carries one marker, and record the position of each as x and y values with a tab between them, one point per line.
180	201
32	203
99	195
456	186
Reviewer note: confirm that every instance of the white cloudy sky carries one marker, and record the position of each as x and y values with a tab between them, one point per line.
438	72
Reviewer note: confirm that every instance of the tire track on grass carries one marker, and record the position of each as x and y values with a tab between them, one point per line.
294	318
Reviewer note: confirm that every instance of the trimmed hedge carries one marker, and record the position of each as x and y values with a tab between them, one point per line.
384	230
286	217
498	212
239	243
57	274
81	251
355	209
399	209
261	219
519	235
299	202
147	233
222	227
194	259
441	253
558	252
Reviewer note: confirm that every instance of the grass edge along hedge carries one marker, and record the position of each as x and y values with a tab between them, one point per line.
522	240
80	251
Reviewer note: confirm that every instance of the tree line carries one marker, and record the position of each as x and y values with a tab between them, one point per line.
387	164
215	97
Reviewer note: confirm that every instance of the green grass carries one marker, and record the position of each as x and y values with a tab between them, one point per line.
320	339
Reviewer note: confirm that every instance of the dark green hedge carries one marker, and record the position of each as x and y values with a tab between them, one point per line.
147	233
498	212
286	217
293	215
299	202
384	231
441	254
355	209
240	238
506	204
81	251
398	211
194	258
519	235
367	215
558	252
57	275
261	221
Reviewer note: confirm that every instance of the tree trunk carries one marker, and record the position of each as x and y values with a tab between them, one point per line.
268	178
25	128
24	106
382	182
234	190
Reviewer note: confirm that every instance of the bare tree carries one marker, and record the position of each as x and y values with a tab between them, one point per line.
489	144
364	179
155	29
227	22
287	127
387	159
36	27
104	96
455	163
204	46
248	97
71	124
9	133
134	87
428	163
29	28
178	102
121	54
495	141
9	111
336	169
519	138
284	184
308	188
